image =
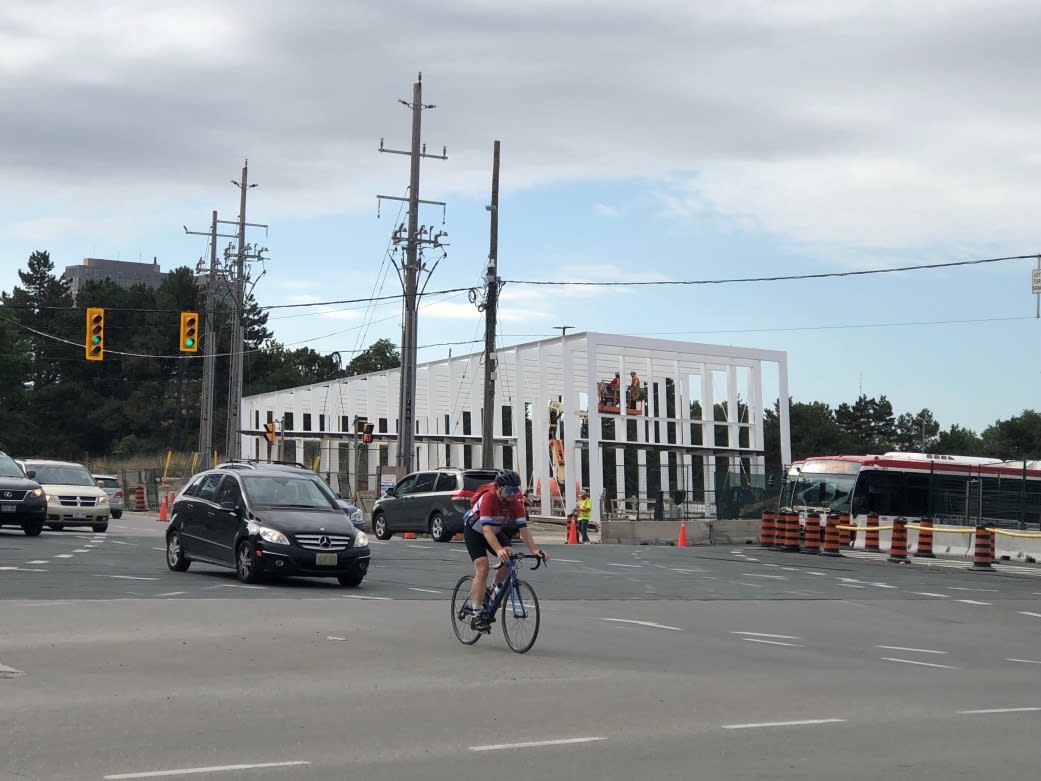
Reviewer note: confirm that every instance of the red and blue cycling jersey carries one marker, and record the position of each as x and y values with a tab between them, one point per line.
497	513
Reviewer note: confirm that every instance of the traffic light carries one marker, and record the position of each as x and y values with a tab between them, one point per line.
269	432
366	437
189	341
94	340
359	424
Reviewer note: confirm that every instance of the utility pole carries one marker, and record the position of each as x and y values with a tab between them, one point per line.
409	272
491	298
234	440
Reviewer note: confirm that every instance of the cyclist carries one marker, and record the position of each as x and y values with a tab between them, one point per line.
485	532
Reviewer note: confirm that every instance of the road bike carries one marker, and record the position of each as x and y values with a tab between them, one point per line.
515	602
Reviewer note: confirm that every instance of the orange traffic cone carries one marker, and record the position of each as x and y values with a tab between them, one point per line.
572	530
681	541
409	535
162	512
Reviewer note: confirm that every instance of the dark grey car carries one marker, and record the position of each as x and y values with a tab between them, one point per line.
429	502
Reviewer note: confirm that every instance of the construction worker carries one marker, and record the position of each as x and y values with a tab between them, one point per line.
634	390
584	513
614	390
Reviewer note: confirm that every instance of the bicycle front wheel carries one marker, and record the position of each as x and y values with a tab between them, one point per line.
520	617
462	613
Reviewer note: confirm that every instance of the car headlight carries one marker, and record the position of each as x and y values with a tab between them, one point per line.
102	500
53	499
36	492
361	540
266	534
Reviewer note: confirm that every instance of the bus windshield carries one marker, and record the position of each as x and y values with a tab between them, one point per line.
822	485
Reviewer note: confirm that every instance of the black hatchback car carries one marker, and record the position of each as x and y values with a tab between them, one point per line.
431	502
23	502
265	522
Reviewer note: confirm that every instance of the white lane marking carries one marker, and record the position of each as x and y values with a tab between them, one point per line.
772	577
124	577
1024	661
790	569
238	585
119	542
39	561
162	549
920	664
851	585
810	572
172	594
931	594
804	723
750	585
912	650
771	565
9	672
643	623
535	744
998	710
763	634
636	566
23	569
972	602
965	588
771	642
359	596
677	569
63	556
424	590
196	770
567	561
881	585
333	637
1028	613
82	550
418	547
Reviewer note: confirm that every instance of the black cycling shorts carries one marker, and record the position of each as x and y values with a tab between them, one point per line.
477	545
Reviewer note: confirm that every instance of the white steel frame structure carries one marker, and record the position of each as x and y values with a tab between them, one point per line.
677	376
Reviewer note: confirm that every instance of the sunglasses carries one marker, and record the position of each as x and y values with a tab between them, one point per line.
509	489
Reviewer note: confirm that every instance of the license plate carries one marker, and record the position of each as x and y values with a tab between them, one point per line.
325	559
78	516
8	508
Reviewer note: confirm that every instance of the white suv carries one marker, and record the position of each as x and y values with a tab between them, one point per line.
73	496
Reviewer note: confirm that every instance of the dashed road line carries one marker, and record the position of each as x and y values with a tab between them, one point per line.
536	744
199	770
911	650
650	624
771	642
918	663
424	590
1028	613
982	711
764	634
124	577
767	724
1025	661
973	602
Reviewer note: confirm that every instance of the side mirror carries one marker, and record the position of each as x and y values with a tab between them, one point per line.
31	474
230	507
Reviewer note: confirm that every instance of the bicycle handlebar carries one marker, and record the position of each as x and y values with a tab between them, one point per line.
539	561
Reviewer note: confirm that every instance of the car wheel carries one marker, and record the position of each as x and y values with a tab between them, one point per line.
32	529
379	527
175	558
438	532
351	580
116	514
244	563
100	527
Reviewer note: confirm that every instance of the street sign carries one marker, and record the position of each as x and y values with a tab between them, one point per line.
1035	280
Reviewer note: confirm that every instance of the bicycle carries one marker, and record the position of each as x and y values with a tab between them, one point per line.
516	601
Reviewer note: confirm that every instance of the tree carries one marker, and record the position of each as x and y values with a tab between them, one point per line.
380	355
958	441
1018	437
916	433
870	424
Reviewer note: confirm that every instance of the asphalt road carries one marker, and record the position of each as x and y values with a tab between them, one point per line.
658	663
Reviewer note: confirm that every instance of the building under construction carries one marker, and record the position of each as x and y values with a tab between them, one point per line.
649	426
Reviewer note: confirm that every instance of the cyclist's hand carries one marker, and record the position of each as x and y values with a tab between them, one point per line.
542	555
504	554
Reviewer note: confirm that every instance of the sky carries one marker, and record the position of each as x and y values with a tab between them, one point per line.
652	141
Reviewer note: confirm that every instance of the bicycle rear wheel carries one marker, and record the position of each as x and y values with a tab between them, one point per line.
462	614
520	617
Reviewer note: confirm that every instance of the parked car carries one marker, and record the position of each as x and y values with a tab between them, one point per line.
353	512
73	497
114	490
23	502
429	502
265	521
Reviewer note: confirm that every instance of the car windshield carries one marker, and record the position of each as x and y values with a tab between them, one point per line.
286	491
61	474
8	468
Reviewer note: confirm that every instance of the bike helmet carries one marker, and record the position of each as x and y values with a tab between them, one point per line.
507	478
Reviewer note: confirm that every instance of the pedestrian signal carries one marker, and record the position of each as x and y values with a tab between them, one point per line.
269	432
366	437
94	340
189	340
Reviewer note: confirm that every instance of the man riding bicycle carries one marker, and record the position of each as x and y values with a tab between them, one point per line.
484	532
